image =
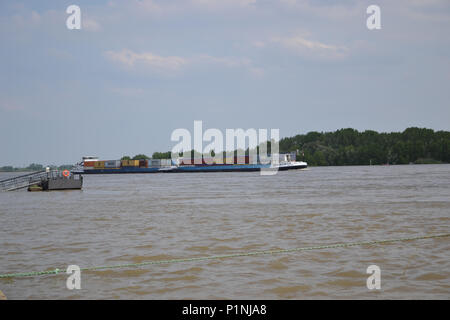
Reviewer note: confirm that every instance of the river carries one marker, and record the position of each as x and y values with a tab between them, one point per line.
133	218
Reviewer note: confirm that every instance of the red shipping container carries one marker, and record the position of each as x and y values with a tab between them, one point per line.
89	163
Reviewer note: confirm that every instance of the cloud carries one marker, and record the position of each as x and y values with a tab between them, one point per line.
131	59
302	45
305	46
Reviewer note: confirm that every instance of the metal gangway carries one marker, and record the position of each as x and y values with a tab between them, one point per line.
26	180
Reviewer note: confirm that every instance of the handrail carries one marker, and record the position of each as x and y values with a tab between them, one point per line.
26	180
24	175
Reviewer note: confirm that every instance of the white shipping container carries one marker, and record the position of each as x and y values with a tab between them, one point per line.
112	164
166	162
155	162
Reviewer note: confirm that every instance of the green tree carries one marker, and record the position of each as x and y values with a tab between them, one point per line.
140	157
350	147
162	155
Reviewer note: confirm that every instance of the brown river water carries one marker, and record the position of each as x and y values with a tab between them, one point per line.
122	219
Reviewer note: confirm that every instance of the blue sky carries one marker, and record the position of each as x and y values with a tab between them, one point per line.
137	70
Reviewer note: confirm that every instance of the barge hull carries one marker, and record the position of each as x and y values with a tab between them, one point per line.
205	168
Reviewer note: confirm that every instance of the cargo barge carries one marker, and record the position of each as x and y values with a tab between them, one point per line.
92	165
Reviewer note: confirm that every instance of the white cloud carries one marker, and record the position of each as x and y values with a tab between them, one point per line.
131	59
302	45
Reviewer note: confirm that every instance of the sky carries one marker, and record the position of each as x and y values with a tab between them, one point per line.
138	70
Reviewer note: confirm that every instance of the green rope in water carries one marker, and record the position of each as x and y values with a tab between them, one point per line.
244	254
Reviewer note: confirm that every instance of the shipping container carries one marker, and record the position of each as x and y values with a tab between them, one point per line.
112	164
156	163
89	163
99	164
166	162
143	163
130	163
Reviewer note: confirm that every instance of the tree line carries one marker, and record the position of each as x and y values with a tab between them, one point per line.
351	147
341	147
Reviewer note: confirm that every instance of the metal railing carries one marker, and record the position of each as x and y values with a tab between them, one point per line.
26	180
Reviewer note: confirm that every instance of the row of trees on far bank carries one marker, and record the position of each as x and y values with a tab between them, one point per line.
341	147
351	147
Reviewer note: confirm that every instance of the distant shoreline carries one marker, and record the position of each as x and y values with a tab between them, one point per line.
343	147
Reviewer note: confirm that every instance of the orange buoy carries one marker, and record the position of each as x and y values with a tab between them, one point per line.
66	173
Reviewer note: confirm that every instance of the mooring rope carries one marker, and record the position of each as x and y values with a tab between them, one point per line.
234	255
